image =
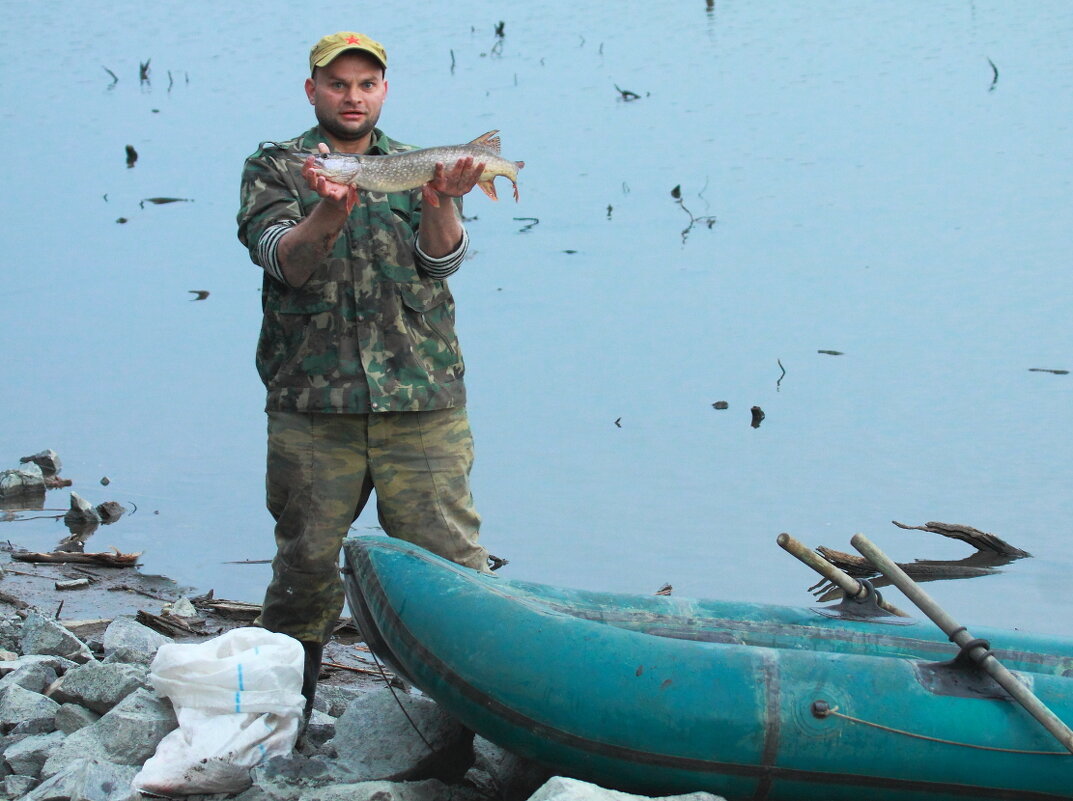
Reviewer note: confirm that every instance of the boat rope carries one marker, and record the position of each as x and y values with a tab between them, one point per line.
820	709
391	687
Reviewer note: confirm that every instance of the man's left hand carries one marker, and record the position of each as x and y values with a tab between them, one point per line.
453	182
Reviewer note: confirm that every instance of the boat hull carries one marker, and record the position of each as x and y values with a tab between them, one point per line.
659	695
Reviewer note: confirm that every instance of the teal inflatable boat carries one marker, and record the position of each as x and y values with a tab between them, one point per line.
661	695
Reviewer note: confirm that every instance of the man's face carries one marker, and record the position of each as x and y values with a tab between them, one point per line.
347	96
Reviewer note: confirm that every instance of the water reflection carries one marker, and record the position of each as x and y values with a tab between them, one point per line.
877	188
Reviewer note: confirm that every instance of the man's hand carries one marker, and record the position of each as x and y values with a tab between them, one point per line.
342	195
453	182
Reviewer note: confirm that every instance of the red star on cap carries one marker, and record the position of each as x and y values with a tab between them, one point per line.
353	40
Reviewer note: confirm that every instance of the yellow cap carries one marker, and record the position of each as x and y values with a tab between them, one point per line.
331	46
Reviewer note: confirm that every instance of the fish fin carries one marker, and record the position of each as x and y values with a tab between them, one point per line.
519	165
488	140
488	188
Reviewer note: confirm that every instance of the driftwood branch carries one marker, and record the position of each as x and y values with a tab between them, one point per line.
107	558
980	540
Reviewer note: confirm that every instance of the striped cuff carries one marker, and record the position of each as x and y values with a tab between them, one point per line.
444	266
267	246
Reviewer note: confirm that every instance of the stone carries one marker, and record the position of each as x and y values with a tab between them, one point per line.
42	635
30	675
17	786
127	735
72	717
398	752
283	778
88	779
126	635
28	755
336	698
11	635
81	511
559	788
511	775
21	483
19	705
101	685
48	461
428	790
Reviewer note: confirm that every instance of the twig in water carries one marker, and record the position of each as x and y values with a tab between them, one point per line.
994	80
777	383
143	71
532	221
115	78
627	95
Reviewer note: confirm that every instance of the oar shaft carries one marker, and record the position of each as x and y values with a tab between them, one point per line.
841	579
961	637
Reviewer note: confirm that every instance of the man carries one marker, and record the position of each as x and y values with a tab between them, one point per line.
357	348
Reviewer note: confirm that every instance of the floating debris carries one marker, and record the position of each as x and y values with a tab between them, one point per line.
501	29
158	201
758	416
1047	370
980	540
200	294
994	72
666	589
530	223
720	405
832	352
143	71
105	481
778	384
122	220
708	220
626	94
132	156
618	423
115	78
73	584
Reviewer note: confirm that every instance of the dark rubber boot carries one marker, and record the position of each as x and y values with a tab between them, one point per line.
314	656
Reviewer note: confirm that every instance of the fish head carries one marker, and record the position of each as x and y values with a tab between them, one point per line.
343	168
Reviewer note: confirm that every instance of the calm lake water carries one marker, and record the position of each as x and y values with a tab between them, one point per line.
891	181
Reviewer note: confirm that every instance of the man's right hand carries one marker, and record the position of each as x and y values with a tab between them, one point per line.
342	195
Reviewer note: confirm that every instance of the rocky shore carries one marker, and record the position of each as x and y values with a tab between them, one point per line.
79	715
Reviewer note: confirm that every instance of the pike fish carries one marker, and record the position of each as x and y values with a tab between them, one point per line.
401	171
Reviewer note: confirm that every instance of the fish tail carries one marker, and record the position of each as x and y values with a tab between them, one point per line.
488	140
489	188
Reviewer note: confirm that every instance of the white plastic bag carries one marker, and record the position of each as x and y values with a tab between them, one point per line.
238	699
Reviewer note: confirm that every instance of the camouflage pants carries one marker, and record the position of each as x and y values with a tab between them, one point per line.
321	471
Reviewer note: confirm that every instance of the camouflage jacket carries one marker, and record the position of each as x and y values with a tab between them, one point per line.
367	332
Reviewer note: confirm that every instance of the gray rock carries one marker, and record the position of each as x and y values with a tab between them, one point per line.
284	778
19	705
101	685
30	675
11	634
88	780
559	788
398	752
17	786
429	790
127	735
48	461
27	756
135	640
42	635
72	717
336	698
18	483
512	776
81	511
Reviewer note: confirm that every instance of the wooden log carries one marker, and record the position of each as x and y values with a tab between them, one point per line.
980	540
107	558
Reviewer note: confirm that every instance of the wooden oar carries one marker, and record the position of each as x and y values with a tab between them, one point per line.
960	636
841	579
